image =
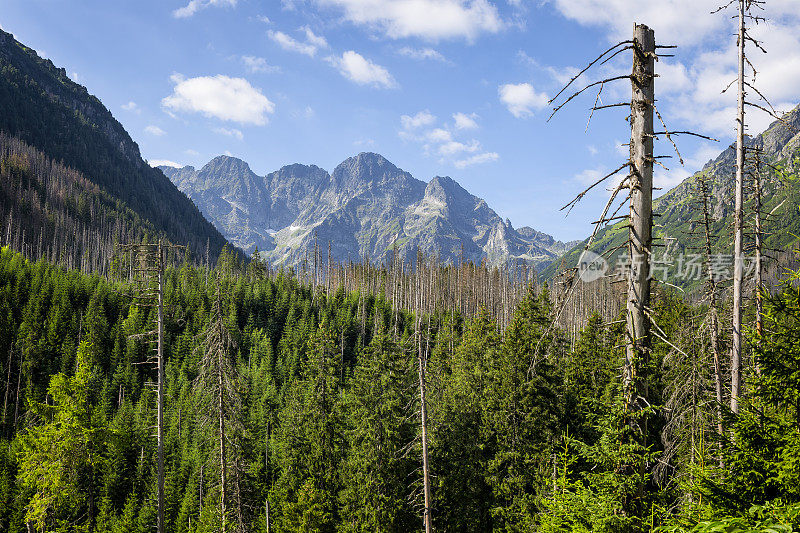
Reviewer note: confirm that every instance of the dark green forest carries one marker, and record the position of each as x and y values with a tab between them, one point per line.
527	431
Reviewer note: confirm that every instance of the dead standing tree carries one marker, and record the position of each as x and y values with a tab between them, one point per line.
639	182
146	273
217	390
640	324
745	9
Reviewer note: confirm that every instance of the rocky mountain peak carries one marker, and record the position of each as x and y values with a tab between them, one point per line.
363	208
227	166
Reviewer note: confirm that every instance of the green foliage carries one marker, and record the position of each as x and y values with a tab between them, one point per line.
526	431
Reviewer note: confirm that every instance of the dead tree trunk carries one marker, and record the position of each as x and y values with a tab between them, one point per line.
712	307
147	268
423	405
641	214
738	258
160	386
222	459
759	246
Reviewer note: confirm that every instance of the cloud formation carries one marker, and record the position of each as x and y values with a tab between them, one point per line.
309	46
442	141
196	5
222	97
230	132
521	99
258	64
362	71
155	130
163	163
432	20
465	122
422	54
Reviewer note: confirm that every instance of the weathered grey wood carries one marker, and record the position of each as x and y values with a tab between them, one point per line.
423	420
738	259
759	284
641	213
160	408
712	307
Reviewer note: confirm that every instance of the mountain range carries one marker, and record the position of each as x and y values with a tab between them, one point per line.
366	208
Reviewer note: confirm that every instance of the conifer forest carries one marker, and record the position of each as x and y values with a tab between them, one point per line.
397	357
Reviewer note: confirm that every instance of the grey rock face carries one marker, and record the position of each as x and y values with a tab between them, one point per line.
366	207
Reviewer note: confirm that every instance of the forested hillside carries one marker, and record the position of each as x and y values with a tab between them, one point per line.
47	111
525	431
55	213
680	229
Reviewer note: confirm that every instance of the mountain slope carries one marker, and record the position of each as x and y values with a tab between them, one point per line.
366	207
49	112
680	213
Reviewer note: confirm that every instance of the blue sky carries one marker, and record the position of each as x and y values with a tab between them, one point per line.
439	87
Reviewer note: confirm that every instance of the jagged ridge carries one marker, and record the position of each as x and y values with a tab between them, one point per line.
366	207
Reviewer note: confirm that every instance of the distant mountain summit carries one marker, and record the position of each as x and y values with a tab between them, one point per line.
366	207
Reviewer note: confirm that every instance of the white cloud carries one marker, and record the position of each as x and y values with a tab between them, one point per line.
439	135
484	157
155	130
191	152
258	64
665	180
312	44
132	107
441	141
465	122
222	97
455	147
521	99
690	85
230	132
590	176
196	5
362	71
163	163
421	54
421	119
427	19
75	77
684	22
672	77
593	149
313	39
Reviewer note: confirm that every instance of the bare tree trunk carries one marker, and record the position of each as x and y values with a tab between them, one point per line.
8	383
641	214
712	308
423	412
222	461
266	470
738	270
759	284
425	471
160	416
